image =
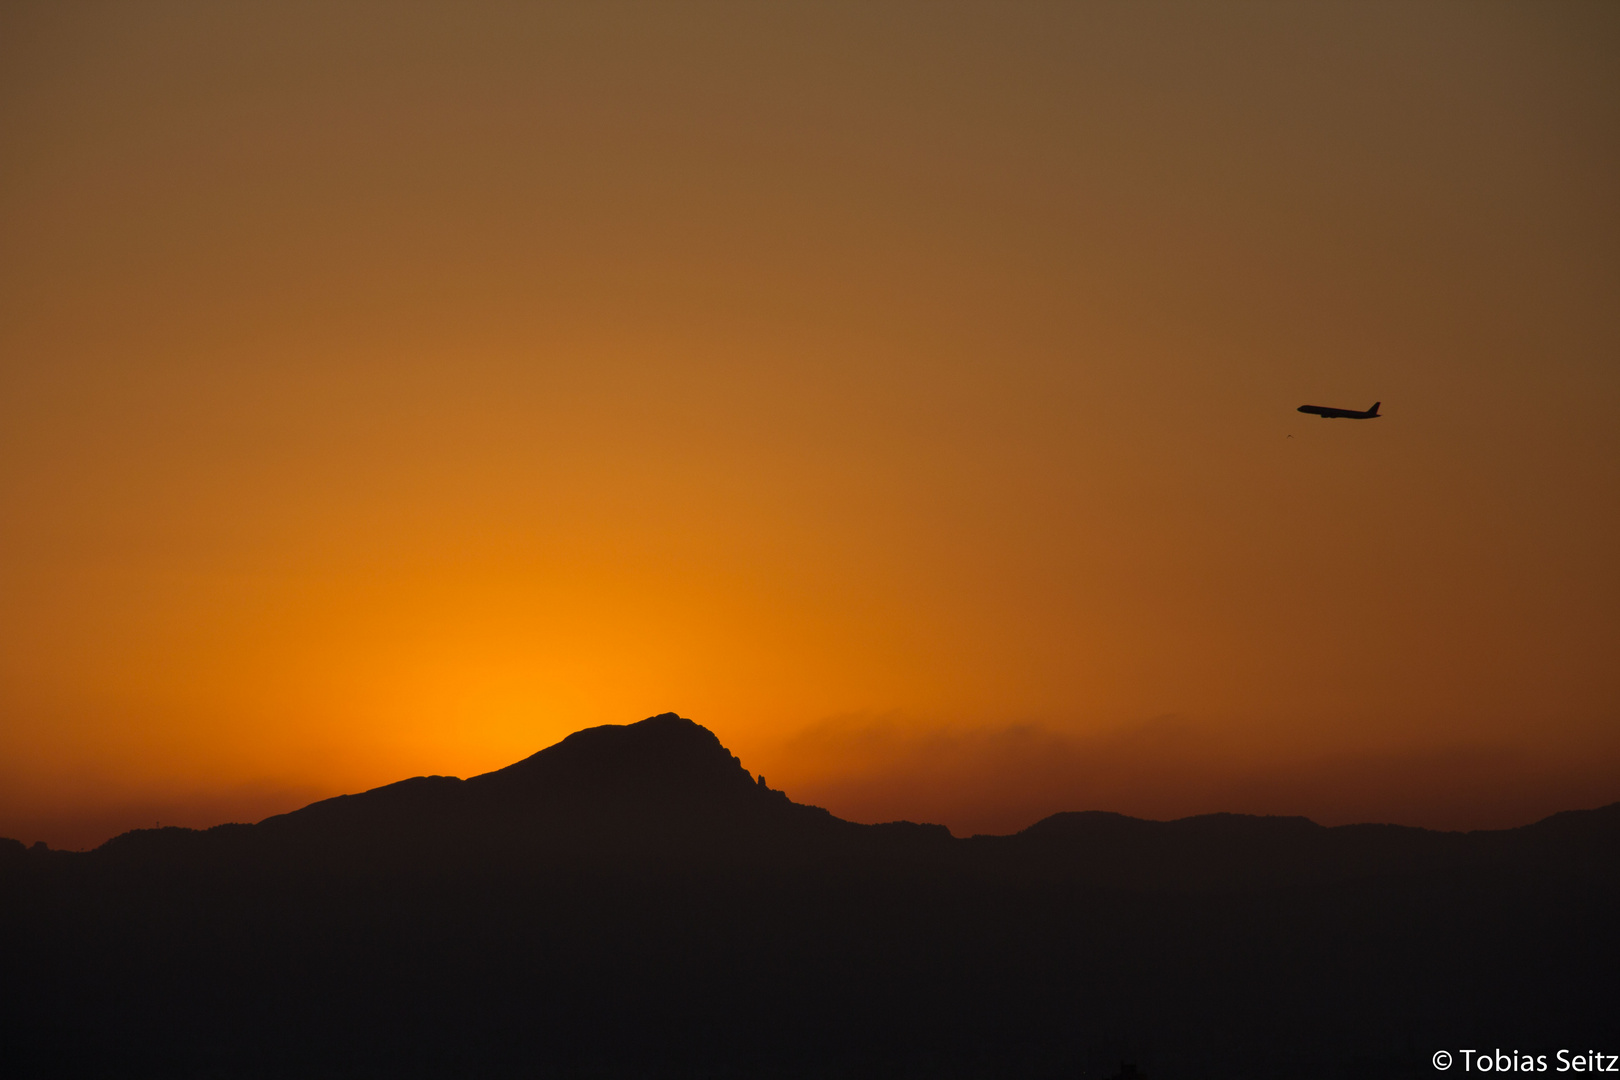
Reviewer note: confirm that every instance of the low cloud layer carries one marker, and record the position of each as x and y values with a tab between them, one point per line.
1001	779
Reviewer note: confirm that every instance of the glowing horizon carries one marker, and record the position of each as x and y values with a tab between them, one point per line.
905	393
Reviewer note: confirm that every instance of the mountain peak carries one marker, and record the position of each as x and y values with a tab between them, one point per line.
616	784
662	756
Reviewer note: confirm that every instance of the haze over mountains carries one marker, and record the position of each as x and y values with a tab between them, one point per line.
633	902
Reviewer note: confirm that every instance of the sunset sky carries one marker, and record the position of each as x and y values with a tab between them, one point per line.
906	392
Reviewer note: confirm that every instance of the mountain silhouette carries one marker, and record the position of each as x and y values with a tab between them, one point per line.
632	902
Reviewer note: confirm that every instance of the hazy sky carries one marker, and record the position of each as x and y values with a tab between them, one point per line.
904	391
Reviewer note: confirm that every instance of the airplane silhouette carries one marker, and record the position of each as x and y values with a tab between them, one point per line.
1329	413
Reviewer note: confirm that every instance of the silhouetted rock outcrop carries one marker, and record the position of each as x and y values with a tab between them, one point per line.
631	902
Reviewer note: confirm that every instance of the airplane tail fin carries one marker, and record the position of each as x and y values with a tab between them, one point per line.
1374	410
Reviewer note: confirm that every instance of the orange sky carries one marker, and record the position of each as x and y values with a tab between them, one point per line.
904	391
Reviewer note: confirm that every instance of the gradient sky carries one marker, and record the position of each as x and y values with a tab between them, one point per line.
904	391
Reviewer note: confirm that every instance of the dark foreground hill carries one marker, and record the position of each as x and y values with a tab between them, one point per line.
630	903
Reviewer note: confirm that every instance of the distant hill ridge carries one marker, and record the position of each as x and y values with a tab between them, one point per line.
667	788
631	903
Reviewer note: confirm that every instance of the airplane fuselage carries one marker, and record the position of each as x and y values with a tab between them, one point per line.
1327	412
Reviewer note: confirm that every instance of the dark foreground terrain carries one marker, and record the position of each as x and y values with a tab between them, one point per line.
631	903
